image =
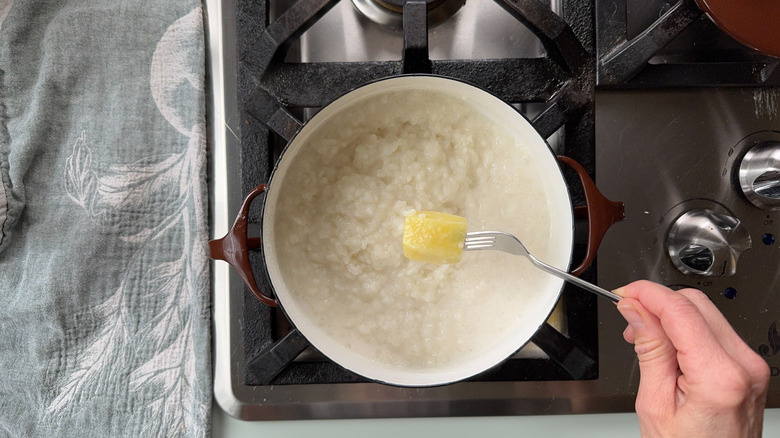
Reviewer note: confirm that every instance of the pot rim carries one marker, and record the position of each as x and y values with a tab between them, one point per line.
410	377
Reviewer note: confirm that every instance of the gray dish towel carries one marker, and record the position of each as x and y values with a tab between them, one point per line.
104	301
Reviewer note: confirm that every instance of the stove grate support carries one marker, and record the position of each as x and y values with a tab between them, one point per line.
563	79
625	63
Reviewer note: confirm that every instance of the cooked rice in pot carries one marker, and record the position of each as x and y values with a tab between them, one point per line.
340	218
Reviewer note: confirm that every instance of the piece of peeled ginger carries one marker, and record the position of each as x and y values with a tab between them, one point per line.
434	237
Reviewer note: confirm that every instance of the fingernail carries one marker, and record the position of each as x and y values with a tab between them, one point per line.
631	315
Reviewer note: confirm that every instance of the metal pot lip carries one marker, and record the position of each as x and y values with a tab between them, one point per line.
285	158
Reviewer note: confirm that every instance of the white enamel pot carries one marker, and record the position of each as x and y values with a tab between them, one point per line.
601	214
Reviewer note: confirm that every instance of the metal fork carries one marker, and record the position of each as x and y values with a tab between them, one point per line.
501	241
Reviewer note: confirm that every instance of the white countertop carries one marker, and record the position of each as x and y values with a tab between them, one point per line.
601	425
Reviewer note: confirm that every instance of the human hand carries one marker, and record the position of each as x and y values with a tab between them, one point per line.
697	377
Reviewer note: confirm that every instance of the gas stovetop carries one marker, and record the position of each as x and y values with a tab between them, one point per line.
613	84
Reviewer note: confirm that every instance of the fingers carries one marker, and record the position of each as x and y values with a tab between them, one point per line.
657	359
720	387
683	324
708	348
716	334
728	338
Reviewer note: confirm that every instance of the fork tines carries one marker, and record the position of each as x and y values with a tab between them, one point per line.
479	241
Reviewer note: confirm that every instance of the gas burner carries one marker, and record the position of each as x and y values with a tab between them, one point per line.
389	13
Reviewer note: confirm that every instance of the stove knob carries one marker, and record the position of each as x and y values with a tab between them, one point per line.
702	242
759	175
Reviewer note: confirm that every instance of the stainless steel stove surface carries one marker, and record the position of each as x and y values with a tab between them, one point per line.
663	124
676	155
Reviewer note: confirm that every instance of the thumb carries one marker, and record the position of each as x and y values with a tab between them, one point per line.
657	358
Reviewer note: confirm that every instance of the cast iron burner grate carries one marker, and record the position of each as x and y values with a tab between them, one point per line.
271	90
711	58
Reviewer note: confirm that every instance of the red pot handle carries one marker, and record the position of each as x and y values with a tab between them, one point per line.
600	211
234	248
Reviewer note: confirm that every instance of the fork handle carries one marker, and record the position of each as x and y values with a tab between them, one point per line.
590	287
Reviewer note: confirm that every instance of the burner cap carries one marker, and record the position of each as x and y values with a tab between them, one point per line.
390	12
398	5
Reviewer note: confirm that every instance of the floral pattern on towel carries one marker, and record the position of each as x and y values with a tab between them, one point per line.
149	203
